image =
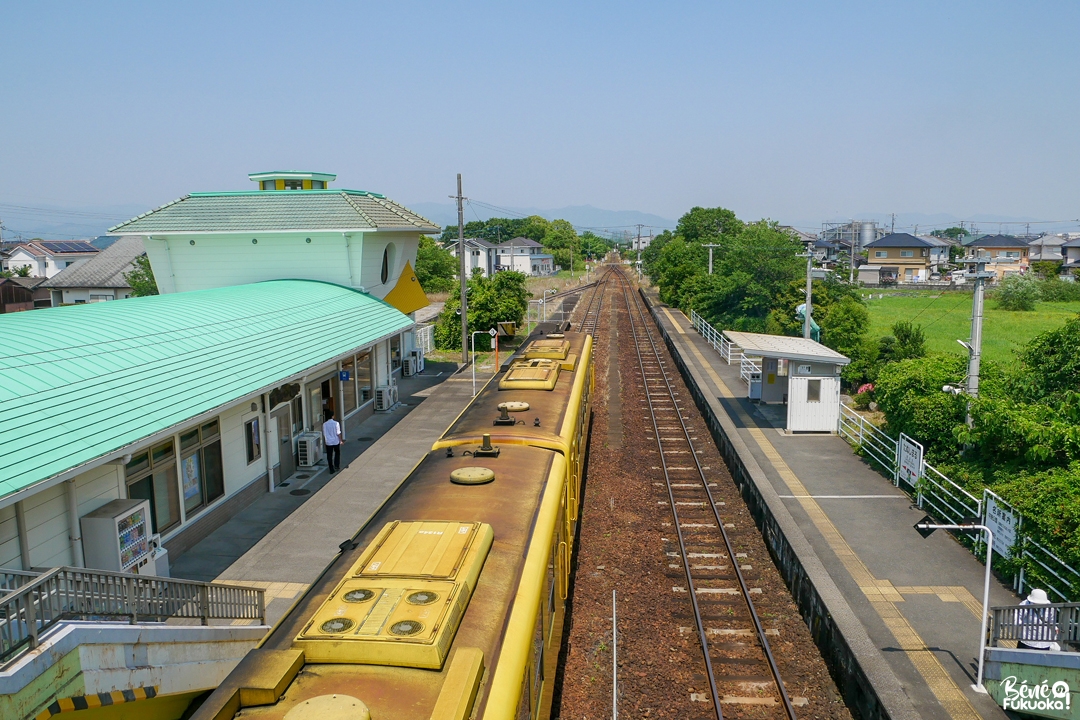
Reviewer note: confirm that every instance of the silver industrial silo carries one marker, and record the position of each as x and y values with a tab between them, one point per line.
867	233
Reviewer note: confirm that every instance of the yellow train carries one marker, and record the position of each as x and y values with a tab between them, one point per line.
451	603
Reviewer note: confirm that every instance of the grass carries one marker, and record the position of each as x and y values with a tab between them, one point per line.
946	317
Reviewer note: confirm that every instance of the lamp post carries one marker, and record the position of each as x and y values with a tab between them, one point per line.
925	528
551	291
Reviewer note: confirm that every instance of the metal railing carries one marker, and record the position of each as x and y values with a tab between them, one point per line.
1056	623
945	499
727	349
749	366
425	338
68	593
1042	568
14	579
865	436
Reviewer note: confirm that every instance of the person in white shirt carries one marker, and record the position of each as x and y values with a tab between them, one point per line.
331	430
1038	627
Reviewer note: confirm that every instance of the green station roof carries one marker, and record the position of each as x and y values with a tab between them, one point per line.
277	211
78	383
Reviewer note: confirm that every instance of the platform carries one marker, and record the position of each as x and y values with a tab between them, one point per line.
282	542
908	608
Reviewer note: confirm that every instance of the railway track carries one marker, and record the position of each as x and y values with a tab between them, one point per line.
591	316
740	668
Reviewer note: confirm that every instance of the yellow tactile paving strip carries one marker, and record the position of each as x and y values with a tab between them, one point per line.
882	595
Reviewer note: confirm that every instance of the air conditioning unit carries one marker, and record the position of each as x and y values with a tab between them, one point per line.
408	366
310	445
385	397
417	356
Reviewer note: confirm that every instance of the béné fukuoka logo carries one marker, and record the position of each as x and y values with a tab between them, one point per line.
1042	696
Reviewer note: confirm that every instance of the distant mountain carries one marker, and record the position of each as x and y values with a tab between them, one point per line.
64	223
583	217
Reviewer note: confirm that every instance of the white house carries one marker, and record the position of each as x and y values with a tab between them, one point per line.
98	279
480	254
46	258
524	255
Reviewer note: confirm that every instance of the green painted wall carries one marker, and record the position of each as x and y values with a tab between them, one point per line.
1037	690
63	679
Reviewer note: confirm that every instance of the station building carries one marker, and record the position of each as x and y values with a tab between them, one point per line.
276	305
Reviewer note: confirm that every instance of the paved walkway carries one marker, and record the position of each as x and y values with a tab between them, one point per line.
282	542
918	600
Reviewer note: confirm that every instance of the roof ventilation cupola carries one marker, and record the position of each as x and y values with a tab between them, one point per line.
292	180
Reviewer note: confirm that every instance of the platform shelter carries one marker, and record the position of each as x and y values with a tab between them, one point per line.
798	372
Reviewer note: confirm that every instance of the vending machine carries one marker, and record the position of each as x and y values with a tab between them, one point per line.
117	536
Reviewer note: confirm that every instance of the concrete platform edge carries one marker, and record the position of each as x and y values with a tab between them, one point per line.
868	685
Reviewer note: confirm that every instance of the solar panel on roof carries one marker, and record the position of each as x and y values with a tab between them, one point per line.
60	246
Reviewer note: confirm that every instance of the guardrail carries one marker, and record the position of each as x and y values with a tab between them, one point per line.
865	436
68	593
1056	623
727	349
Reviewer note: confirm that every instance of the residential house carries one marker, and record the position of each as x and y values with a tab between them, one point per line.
1047	247
277	306
98	279
1070	251
524	255
1006	254
14	296
480	254
914	257
48	257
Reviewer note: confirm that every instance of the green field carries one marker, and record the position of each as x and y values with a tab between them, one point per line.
946	317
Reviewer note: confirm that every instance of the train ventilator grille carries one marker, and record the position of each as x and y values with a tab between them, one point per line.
402	601
548	349
539	374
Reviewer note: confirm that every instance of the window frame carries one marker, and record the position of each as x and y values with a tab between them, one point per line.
252	440
150	472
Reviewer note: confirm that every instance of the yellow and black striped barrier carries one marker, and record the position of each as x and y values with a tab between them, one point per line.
85	702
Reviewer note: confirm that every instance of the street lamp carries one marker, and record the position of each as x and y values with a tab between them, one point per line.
552	291
926	527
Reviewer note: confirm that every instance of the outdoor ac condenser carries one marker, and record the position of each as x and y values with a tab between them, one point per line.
385	397
408	366
418	360
310	445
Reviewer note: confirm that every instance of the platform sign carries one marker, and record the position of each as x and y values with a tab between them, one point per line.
344	376
911	461
1002	522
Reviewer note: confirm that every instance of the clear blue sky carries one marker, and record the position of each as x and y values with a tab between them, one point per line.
786	110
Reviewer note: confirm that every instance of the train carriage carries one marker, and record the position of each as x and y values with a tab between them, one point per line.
449	603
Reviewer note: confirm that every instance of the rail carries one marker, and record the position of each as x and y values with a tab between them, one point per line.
14	579
1056	623
425	338
727	349
68	593
748	367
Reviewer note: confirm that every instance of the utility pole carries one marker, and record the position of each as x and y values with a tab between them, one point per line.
637	244
463	276
809	294
711	246
974	345
892	228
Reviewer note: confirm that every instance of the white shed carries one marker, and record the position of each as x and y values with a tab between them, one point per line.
801	373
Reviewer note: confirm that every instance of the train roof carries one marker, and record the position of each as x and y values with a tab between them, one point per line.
541	424
510	505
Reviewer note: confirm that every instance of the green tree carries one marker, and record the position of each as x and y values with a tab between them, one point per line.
1046	269
1051	362
436	267
907	341
1017	292
22	271
909	393
141	278
843	328
503	297
783	320
953	232
705	225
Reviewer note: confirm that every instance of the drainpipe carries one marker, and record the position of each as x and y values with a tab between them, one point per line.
348	259
24	541
266	442
74	533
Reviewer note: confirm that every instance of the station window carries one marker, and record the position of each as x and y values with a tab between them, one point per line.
395	352
813	391
363	376
251	440
151	475
201	475
294	184
348	387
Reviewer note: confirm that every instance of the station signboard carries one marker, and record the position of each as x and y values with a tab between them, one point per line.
1002	521
910	466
